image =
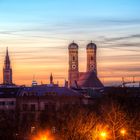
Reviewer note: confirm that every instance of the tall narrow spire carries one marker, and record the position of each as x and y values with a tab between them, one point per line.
7	71
51	79
7	51
7	60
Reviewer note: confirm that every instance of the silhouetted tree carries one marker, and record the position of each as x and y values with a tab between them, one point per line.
115	118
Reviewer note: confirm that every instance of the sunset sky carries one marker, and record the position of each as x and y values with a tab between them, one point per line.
37	33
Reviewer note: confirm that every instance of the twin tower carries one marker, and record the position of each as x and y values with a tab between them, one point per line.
74	73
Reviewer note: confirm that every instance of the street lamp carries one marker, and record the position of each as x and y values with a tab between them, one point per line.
103	135
123	132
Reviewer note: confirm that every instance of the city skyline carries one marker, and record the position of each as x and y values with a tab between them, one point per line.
38	34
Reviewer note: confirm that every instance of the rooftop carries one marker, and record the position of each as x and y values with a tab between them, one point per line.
89	80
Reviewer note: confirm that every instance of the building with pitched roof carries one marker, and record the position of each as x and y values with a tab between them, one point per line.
89	80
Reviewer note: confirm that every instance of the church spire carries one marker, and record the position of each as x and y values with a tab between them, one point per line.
51	79
7	51
7	60
7	71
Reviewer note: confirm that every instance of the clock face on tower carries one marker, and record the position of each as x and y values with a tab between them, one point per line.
73	66
91	65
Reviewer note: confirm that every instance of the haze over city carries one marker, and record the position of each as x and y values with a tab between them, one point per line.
38	33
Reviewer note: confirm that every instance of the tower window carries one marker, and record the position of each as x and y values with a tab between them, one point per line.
73	58
91	57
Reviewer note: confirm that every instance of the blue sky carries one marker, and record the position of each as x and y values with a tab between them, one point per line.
32	28
49	10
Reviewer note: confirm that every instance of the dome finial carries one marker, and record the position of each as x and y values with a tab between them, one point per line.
91	45
73	45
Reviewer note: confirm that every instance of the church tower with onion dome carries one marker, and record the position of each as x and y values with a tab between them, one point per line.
7	70
73	64
91	57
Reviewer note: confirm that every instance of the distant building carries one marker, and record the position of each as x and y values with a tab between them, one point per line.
88	79
34	83
8	95
7	70
31	102
52	84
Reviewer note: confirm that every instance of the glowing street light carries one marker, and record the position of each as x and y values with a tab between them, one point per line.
103	135
123	132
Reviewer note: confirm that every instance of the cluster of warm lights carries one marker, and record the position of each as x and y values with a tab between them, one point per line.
103	134
46	135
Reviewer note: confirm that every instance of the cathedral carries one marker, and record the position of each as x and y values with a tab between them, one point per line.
7	70
88	79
